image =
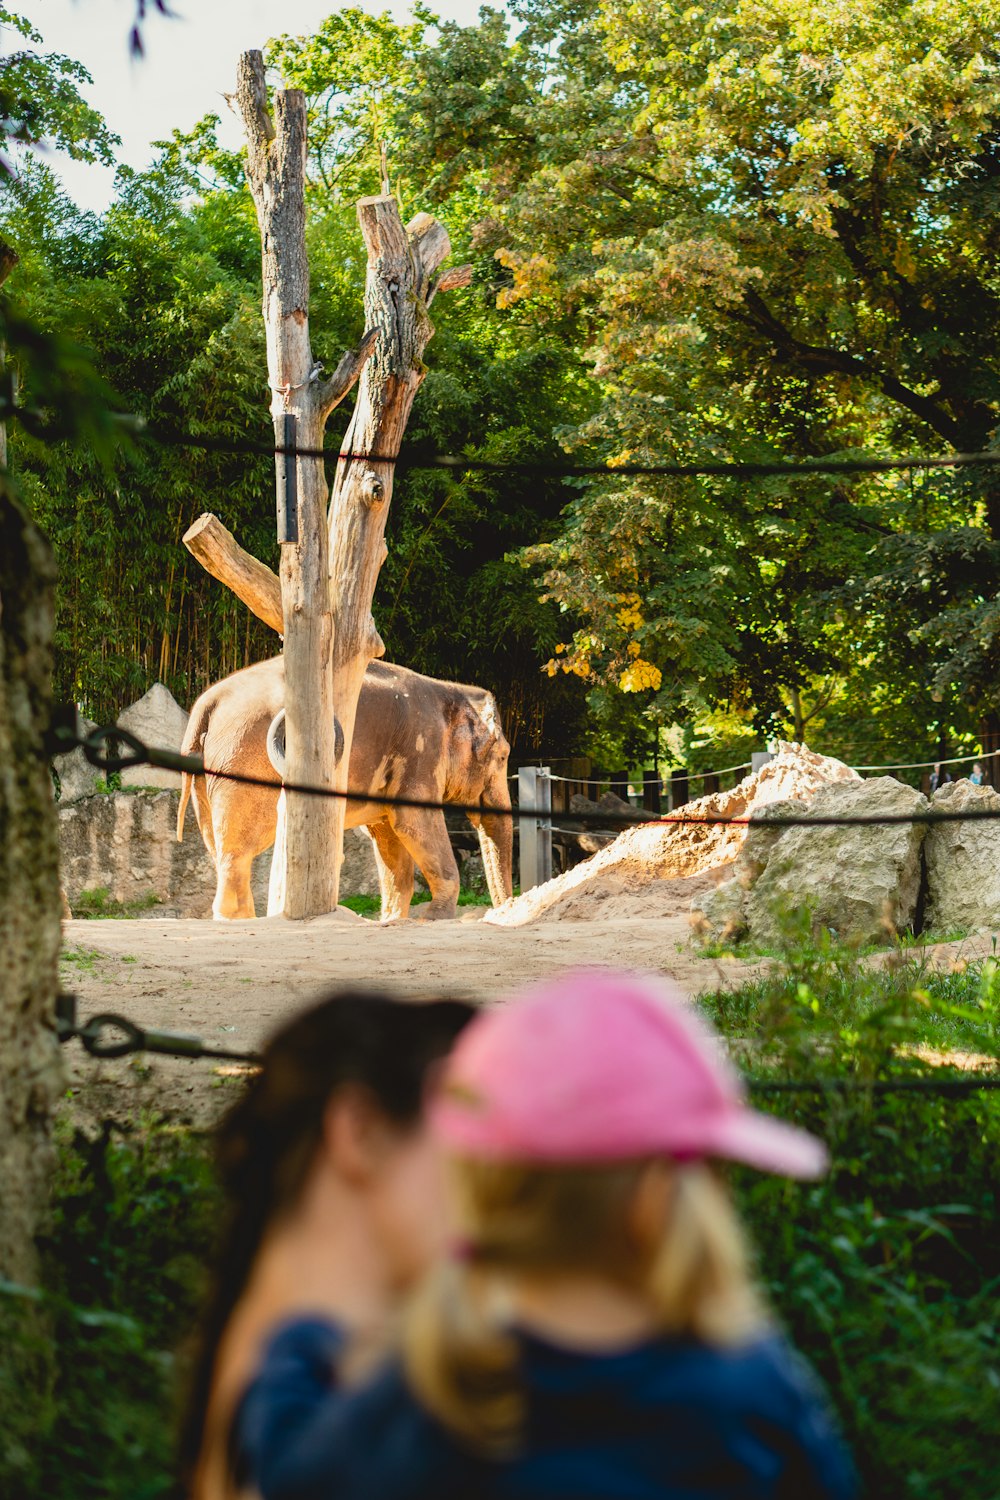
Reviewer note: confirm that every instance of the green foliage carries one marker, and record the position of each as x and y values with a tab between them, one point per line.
762	253
697	233
133	1220
885	1272
165	288
40	101
99	903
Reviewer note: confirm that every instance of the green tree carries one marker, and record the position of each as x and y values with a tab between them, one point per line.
41	103
773	229
165	289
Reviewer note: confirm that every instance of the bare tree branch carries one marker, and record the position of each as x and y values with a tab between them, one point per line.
220	554
329	393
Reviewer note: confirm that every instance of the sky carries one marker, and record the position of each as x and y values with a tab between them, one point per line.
190	62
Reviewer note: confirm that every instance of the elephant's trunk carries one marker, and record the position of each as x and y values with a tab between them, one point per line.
496	838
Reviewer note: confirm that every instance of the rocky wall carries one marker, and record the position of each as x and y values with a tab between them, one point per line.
125	843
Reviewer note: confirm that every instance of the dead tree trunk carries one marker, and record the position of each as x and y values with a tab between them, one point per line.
220	554
399	288
276	161
330	567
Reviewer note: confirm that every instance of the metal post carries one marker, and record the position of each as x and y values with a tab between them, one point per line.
534	792
619	784
651	791
286	478
679	788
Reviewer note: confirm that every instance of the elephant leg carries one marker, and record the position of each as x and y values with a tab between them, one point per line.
425	836
233	896
233	863
395	872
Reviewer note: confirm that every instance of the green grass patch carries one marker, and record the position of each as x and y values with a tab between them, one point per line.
98	903
371	906
83	960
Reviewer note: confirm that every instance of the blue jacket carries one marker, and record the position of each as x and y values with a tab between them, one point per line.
666	1420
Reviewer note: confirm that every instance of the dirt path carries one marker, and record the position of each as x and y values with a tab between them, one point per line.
234	983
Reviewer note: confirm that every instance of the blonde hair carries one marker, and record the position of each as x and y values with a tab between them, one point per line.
460	1349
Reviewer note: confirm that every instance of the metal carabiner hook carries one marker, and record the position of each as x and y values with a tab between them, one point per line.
98	738
134	1039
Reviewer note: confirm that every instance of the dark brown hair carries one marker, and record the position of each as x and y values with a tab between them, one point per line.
266	1143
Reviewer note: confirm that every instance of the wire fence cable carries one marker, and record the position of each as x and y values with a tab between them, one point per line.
136	426
110	1035
96	748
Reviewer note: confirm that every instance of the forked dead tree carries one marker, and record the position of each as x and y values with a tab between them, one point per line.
330	559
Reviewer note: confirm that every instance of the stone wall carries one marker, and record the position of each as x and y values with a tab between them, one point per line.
125	843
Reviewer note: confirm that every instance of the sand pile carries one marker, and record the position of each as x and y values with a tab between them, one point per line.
637	874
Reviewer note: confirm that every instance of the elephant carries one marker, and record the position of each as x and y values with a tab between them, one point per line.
414	737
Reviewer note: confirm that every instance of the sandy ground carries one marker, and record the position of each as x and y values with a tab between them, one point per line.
233	983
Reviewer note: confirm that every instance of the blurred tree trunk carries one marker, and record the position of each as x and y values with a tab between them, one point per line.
30	910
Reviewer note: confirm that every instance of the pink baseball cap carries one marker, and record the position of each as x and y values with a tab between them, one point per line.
602	1065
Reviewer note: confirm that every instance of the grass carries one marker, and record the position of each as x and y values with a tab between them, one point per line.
98	903
901	1002
905	942
371	906
886	1271
83	959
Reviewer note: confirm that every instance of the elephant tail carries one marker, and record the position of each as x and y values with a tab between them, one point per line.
193	743
496	836
187	782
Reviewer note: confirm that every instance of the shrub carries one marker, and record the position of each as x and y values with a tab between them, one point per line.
885	1272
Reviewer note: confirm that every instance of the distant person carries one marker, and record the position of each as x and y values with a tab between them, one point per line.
332	1182
596	1330
938	777
976	774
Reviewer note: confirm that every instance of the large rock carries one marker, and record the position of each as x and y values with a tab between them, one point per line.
76	777
963	862
721	914
158	720
863	882
638	862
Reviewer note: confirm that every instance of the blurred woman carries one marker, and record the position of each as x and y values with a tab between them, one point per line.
335	1198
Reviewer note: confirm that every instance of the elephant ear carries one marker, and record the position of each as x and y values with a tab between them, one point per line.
276	742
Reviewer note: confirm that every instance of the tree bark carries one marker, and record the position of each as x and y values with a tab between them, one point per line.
399	288
276	170
30	1070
